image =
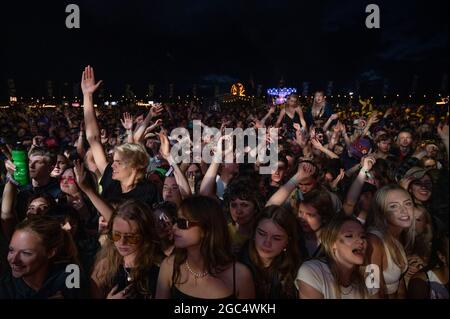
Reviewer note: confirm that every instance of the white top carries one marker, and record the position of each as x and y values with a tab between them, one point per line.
317	274
220	187
437	288
392	274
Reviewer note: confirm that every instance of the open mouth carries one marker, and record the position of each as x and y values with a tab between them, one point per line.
358	252
404	218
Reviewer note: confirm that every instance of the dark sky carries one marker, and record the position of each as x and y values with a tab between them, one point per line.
217	41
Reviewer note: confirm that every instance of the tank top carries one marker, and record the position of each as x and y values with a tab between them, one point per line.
392	274
175	293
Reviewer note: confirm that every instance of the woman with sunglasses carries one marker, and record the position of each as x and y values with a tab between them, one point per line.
202	265
73	196
125	266
273	254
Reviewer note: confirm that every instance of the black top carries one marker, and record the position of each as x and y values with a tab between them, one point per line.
54	286
288	124
271	288
121	280
175	293
144	190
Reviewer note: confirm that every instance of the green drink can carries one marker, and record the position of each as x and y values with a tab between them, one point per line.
20	160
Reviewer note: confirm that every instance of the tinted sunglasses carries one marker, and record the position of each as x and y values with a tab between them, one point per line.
69	179
184	223
130	239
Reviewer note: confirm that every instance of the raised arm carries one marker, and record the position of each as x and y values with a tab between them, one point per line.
8	216
280	118
443	134
140	130
355	189
99	202
269	114
304	170
317	145
80	142
330	120
127	123
88	86
180	178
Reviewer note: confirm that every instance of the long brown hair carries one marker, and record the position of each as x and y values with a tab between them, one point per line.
215	247
286	264
328	238
110	259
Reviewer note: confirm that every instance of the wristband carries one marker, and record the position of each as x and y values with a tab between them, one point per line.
11	179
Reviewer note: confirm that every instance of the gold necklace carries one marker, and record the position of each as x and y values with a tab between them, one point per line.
195	274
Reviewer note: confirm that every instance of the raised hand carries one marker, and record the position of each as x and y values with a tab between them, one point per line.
80	176
272	109
305	170
316	143
334	116
338	179
443	132
127	121
367	162
88	85
155	110
405	182
165	146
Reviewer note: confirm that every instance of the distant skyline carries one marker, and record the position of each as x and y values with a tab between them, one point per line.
217	42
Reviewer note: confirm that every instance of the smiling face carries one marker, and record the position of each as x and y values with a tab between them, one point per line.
242	211
421	188
270	240
27	256
310	219
121	168
399	209
351	244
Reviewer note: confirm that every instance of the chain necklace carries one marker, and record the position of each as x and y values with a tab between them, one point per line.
129	278
195	274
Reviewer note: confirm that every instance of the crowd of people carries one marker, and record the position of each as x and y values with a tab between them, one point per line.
356	207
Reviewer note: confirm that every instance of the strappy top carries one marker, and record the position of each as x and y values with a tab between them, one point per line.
392	274
175	293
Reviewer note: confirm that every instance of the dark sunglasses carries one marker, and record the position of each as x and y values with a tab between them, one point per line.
184	223
130	239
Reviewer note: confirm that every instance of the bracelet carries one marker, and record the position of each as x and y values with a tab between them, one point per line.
11	179
293	181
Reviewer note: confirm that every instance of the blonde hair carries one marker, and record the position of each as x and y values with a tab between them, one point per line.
135	155
328	237
422	244
377	220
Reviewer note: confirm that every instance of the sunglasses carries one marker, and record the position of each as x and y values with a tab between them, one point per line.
69	179
130	239
184	223
423	185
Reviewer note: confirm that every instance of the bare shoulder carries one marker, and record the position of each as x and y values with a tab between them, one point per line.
242	271
374	241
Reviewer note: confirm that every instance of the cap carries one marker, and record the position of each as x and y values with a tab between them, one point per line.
416	172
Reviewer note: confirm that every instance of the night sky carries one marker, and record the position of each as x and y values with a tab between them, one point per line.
218	42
